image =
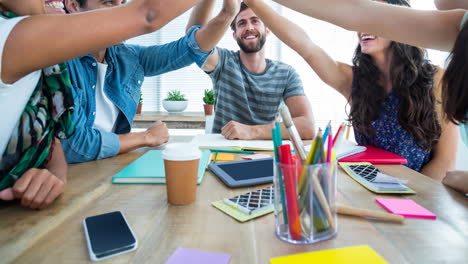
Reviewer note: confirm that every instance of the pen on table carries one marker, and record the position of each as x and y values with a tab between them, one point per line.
293	134
347	210
232	151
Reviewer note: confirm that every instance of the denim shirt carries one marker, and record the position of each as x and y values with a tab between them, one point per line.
127	67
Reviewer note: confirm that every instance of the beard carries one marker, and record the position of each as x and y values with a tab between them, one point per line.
254	49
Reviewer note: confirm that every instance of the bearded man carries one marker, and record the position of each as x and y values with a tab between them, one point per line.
249	88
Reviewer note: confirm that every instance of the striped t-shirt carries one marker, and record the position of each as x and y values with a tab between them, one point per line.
250	98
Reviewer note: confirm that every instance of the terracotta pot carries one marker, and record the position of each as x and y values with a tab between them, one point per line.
208	109
139	109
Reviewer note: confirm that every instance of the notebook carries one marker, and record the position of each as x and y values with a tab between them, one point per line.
375	156
193	256
405	207
357	254
149	168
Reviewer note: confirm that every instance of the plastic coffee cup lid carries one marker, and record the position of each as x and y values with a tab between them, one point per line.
181	151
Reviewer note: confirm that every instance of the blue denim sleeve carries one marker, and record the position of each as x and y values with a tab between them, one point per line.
198	55
159	59
88	143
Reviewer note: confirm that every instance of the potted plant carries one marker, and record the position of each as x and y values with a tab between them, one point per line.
140	104
209	101
175	102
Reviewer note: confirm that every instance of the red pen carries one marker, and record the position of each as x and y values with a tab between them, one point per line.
284	152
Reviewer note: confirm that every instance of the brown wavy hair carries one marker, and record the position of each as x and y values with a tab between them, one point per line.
455	81
412	78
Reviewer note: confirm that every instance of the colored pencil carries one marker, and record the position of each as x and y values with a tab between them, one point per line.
284	152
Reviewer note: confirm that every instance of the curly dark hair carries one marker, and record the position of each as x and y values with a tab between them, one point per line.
412	78
455	81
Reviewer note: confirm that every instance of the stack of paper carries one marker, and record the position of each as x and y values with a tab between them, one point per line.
347	148
207	141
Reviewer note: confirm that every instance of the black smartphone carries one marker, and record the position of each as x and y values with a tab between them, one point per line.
108	235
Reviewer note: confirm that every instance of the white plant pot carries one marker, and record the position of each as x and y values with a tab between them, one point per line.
174	106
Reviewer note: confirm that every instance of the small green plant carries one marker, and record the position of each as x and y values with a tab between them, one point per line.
175	95
209	97
140	101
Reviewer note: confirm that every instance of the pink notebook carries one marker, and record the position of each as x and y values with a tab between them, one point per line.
405	207
375	156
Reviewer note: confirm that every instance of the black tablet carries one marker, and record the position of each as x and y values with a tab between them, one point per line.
244	172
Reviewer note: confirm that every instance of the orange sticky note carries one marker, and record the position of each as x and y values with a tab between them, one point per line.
224	157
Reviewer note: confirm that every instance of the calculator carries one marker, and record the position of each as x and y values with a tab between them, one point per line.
253	202
366	174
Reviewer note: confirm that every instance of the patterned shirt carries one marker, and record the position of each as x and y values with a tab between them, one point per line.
250	98
47	115
391	136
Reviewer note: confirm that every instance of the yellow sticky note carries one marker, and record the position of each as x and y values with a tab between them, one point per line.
349	255
223	157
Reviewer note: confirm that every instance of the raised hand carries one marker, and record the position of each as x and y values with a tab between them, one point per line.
231	6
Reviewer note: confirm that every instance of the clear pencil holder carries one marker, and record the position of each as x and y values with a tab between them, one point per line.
305	202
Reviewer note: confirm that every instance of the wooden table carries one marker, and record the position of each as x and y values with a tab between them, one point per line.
56	235
191	120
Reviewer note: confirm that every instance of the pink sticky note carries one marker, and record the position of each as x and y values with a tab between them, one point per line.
405	207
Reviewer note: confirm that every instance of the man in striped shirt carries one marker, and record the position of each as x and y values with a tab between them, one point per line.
249	88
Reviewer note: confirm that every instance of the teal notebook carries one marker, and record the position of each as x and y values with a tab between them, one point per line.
149	168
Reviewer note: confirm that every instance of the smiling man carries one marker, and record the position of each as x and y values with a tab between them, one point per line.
248	87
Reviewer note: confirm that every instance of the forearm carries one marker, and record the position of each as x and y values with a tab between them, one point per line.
132	141
304	125
57	164
437	169
430	29
209	36
457	180
70	35
201	14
